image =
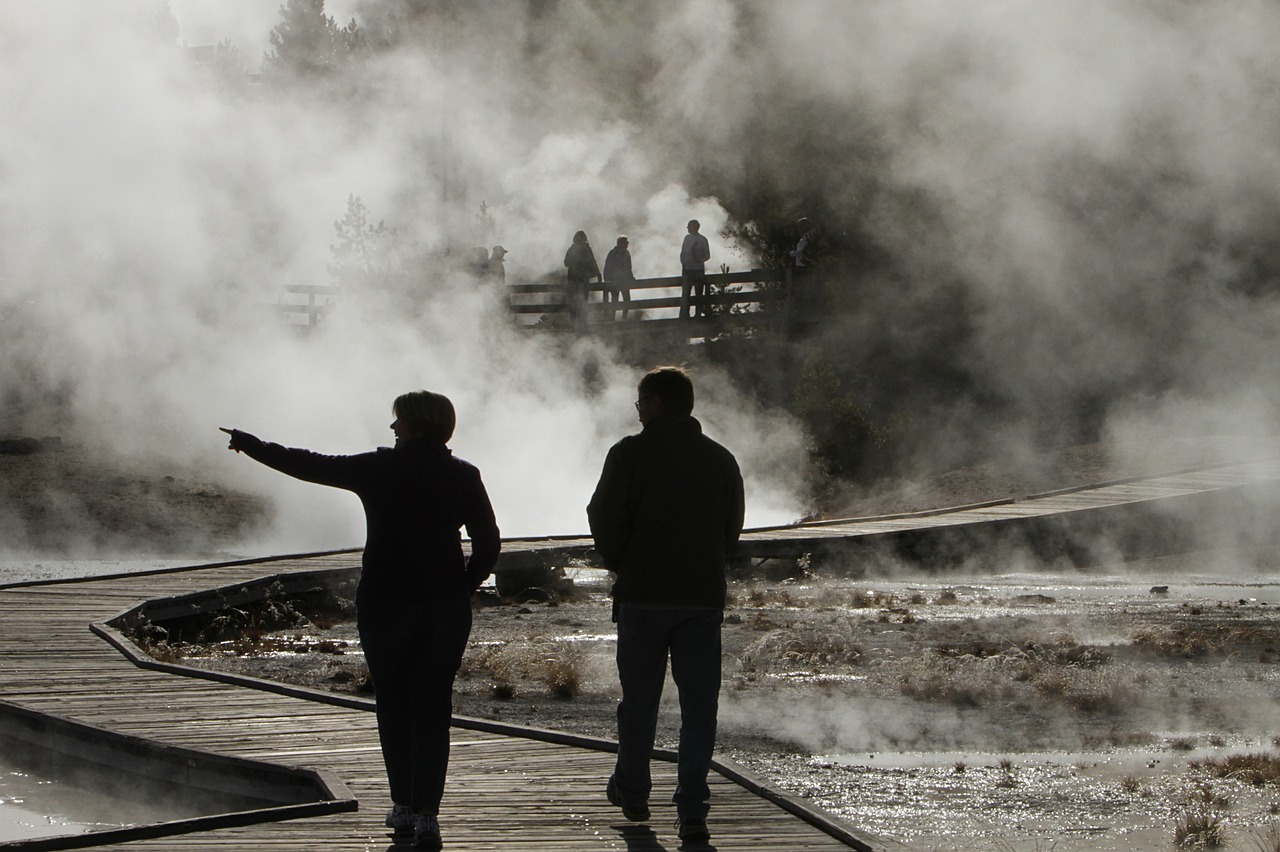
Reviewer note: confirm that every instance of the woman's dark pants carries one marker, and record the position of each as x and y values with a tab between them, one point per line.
414	650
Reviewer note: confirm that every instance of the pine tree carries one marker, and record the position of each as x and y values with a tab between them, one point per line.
307	43
363	251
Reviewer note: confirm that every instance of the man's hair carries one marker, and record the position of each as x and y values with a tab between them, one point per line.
623	239
693	223
672	385
429	414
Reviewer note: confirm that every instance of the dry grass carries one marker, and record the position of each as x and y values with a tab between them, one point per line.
564	674
977	674
1257	769
804	648
1200	822
1201	640
1268	839
1007	778
560	667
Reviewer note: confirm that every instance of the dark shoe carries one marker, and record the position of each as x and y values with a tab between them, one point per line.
426	832
400	820
634	811
692	829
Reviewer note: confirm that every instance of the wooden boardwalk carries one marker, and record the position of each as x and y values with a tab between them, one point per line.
505	792
1133	517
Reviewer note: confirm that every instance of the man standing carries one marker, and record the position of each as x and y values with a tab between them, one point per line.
618	275
694	254
497	264
802	246
667	510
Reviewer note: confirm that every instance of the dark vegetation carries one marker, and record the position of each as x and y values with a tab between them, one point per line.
246	628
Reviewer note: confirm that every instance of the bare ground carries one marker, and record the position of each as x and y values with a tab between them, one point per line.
69	499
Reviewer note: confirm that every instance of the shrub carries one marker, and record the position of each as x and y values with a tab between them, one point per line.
564	674
1200	822
1256	769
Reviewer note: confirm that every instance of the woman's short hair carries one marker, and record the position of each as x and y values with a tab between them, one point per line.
428	414
580	237
673	386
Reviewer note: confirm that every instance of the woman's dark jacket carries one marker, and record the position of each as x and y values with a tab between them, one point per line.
416	498
667	509
581	265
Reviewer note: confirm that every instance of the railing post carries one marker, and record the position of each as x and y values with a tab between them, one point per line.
788	300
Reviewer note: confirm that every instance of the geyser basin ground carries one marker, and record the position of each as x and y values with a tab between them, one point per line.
1002	711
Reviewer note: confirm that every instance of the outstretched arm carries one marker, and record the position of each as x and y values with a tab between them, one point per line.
337	471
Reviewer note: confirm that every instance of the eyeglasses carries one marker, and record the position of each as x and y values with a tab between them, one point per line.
640	400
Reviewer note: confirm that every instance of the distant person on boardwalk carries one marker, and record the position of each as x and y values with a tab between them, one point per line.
581	267
497	261
667	510
618	276
694	254
413	602
805	229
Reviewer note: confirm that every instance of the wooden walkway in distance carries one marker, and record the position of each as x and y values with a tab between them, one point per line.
505	792
1155	505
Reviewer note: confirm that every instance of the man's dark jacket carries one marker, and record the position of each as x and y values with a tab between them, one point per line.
416	498
667	509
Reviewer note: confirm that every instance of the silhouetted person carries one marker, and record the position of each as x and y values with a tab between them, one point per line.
497	269
694	254
805	229
581	267
414	598
667	509
618	276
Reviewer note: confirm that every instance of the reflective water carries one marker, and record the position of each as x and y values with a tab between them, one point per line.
32	806
1031	799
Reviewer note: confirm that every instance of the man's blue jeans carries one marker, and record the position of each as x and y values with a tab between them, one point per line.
646	636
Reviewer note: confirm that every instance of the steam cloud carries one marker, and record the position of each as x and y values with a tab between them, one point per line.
1096	188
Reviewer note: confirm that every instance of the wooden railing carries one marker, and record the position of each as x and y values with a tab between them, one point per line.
753	297
319	299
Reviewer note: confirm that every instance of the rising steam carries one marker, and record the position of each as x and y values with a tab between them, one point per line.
1093	190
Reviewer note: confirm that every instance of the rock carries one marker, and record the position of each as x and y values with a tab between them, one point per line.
19	446
27	446
1159	590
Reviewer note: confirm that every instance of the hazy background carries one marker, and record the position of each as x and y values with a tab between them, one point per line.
1078	204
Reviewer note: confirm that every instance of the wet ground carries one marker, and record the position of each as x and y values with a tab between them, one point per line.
1026	711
